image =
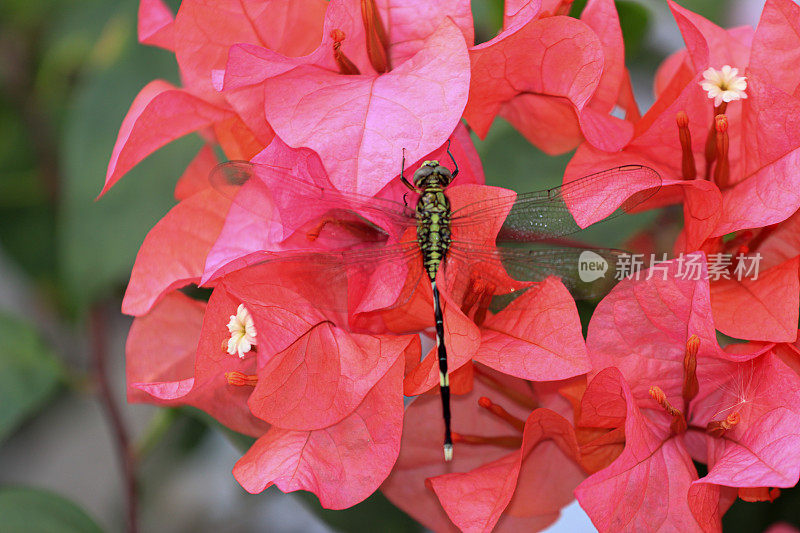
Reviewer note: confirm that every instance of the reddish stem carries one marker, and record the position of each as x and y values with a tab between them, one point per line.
516	396
124	450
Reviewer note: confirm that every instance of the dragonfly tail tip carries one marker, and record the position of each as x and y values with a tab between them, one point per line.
448	452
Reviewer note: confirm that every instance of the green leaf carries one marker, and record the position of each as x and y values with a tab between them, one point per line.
487	16
716	12
29	373
24	510
99	239
510	161
634	18
376	513
27	221
240	441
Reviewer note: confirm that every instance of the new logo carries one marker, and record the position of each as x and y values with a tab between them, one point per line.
591	266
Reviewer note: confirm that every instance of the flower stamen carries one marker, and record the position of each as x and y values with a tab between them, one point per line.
478	297
688	169
503	442
346	66
516	396
501	413
759	494
377	42
563	8
723	86
241	379
358	230
678	424
722	170
509	441
690	385
717	428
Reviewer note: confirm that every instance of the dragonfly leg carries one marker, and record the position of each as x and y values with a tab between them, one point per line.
402	177
453	159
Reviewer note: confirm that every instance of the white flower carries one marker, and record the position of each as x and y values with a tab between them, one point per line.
243	332
724	85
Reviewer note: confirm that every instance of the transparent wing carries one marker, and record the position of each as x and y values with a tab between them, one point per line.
340	284
506	273
257	188
546	214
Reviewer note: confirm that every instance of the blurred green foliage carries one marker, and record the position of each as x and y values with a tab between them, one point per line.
25	510
71	71
29	373
97	240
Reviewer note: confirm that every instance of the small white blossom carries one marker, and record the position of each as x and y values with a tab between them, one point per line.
724	85
243	332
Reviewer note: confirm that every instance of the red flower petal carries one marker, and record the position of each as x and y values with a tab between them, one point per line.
384	114
659	317
769	191
646	486
600	128
413	21
174	252
205	30
763	309
161	344
776	46
162	355
323	376
556	56
156	24
538	337
195	177
521	481
159	114
601	16
762	448
709	45
421	452
342	464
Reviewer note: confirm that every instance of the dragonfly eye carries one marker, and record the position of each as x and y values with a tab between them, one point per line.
422	172
444	173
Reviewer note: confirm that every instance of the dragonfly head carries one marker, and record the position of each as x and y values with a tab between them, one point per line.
431	173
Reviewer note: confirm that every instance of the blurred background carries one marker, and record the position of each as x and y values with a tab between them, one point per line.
69	70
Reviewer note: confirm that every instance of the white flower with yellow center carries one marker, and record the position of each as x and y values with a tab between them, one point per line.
243	332
724	85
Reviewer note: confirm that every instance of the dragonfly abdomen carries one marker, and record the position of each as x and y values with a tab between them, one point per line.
433	228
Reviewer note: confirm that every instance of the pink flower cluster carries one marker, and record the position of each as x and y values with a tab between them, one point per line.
335	94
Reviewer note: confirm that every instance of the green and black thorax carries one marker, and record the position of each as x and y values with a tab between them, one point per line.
433	214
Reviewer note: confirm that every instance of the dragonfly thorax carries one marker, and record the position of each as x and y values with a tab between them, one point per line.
432	174
433	227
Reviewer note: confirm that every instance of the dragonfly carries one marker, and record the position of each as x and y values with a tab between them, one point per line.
429	242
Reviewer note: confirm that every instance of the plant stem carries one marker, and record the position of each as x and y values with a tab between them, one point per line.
99	349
